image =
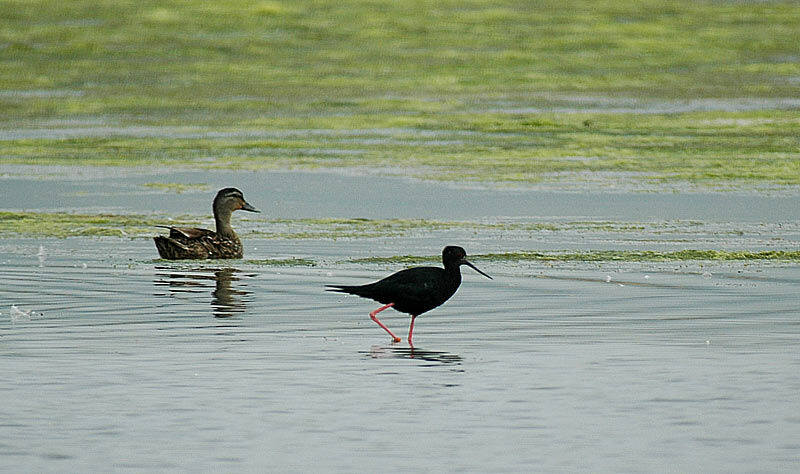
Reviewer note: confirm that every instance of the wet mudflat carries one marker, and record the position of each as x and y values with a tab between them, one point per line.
113	359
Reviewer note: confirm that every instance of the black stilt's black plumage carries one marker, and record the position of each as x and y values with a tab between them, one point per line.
415	290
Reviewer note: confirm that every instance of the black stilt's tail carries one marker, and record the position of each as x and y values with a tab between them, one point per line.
353	290
340	288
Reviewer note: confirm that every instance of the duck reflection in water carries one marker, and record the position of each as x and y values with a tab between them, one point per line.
226	299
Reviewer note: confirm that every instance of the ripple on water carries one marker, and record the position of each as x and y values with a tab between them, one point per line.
231	367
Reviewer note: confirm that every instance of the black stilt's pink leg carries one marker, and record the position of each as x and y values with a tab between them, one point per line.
374	316
411	331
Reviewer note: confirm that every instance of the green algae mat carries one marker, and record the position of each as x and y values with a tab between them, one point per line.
674	238
514	92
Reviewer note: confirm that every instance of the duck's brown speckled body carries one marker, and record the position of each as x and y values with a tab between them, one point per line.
185	243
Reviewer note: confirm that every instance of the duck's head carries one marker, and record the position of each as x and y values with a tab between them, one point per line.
452	255
231	199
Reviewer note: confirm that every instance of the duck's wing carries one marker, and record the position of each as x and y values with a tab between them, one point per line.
175	249
188	232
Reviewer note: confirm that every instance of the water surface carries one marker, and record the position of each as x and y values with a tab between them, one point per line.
115	361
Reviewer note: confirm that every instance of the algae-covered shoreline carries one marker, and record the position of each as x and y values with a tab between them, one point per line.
511	92
68	224
650	96
580	241
688	255
711	150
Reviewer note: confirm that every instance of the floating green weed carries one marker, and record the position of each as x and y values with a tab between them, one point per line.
45	224
592	256
441	89
198	61
351	228
598	256
708	148
282	262
641	256
178	188
63	225
399	259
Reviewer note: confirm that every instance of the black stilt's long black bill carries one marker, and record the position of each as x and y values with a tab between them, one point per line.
476	269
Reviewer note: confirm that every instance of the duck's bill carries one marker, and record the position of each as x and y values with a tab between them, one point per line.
247	207
476	269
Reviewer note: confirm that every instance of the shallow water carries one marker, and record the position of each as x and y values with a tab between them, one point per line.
301	194
230	367
115	361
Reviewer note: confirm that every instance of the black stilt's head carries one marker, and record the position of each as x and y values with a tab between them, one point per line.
231	199
452	255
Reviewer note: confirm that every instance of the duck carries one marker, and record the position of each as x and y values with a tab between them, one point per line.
186	243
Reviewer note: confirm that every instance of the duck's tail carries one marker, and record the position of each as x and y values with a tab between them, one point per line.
168	248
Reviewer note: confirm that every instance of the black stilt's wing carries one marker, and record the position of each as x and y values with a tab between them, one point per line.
413	291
